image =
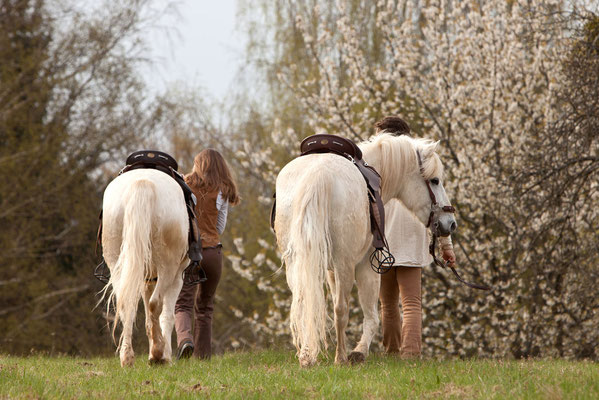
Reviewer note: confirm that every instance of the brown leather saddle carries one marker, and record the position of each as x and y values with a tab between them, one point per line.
324	143
154	159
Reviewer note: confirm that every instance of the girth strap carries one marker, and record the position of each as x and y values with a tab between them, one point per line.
377	208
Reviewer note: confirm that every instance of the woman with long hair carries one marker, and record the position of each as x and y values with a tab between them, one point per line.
214	187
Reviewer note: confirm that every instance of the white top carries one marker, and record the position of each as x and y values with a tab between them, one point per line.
223	209
408	238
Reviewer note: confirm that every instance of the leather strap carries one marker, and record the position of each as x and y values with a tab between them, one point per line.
446	264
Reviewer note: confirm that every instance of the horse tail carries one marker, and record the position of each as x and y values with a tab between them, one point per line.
132	267
308	257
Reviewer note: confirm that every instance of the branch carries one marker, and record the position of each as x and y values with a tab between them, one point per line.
43	297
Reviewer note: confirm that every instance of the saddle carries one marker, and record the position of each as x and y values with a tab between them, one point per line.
150	159
324	143
163	162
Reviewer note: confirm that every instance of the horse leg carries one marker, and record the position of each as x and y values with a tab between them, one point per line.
341	302
331	282
368	293
155	306
127	356
167	318
148	290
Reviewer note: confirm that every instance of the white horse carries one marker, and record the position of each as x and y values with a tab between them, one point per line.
144	237
322	225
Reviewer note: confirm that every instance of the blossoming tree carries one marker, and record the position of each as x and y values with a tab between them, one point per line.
506	89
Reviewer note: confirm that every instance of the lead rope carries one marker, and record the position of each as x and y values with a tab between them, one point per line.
446	265
432	246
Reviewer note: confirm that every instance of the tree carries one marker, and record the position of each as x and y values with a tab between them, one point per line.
517	123
70	101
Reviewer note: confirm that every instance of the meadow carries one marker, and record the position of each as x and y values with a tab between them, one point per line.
276	374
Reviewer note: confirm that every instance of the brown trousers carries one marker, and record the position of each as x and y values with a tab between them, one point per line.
404	337
198	299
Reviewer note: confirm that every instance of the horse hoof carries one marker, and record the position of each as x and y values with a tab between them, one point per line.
356	357
306	362
127	363
127	358
156	361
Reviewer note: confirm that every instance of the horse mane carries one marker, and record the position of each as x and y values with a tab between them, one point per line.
397	156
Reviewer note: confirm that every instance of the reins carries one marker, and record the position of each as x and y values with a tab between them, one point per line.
435	206
446	265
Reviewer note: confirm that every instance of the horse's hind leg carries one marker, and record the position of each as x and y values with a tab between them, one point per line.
148	290
126	353
167	318
155	309
342	292
368	292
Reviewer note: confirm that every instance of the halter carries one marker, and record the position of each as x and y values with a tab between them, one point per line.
435	208
434	204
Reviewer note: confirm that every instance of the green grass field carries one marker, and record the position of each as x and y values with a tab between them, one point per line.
272	374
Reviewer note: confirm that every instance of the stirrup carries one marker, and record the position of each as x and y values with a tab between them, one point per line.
194	274
381	260
102	273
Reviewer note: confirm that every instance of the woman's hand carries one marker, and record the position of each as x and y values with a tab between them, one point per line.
449	256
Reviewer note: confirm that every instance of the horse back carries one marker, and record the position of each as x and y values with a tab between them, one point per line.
168	217
346	199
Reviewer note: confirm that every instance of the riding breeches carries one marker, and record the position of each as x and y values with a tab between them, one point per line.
402	335
196	303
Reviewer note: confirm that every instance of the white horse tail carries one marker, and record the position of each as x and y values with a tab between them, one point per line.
132	267
308	257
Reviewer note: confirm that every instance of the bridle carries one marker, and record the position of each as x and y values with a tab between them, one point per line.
435	208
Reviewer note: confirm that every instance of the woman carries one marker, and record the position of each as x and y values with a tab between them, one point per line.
408	242
211	182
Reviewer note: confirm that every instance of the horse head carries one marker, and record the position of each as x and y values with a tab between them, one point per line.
427	185
412	172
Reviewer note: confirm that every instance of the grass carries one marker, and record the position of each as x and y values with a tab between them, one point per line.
271	374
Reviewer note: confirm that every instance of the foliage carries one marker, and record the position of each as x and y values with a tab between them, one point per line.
271	374
70	101
510	91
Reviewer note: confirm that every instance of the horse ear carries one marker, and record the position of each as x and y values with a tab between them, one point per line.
429	149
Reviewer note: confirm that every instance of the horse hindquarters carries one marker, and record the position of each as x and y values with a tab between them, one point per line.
133	263
308	257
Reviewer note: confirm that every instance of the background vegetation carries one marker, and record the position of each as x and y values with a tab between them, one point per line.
511	90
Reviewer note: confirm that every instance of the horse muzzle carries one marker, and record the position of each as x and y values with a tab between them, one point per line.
445	225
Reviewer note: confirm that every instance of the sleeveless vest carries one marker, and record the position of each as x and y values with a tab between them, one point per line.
207	215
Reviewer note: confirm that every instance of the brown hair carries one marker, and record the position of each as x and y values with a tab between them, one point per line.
394	125
211	172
